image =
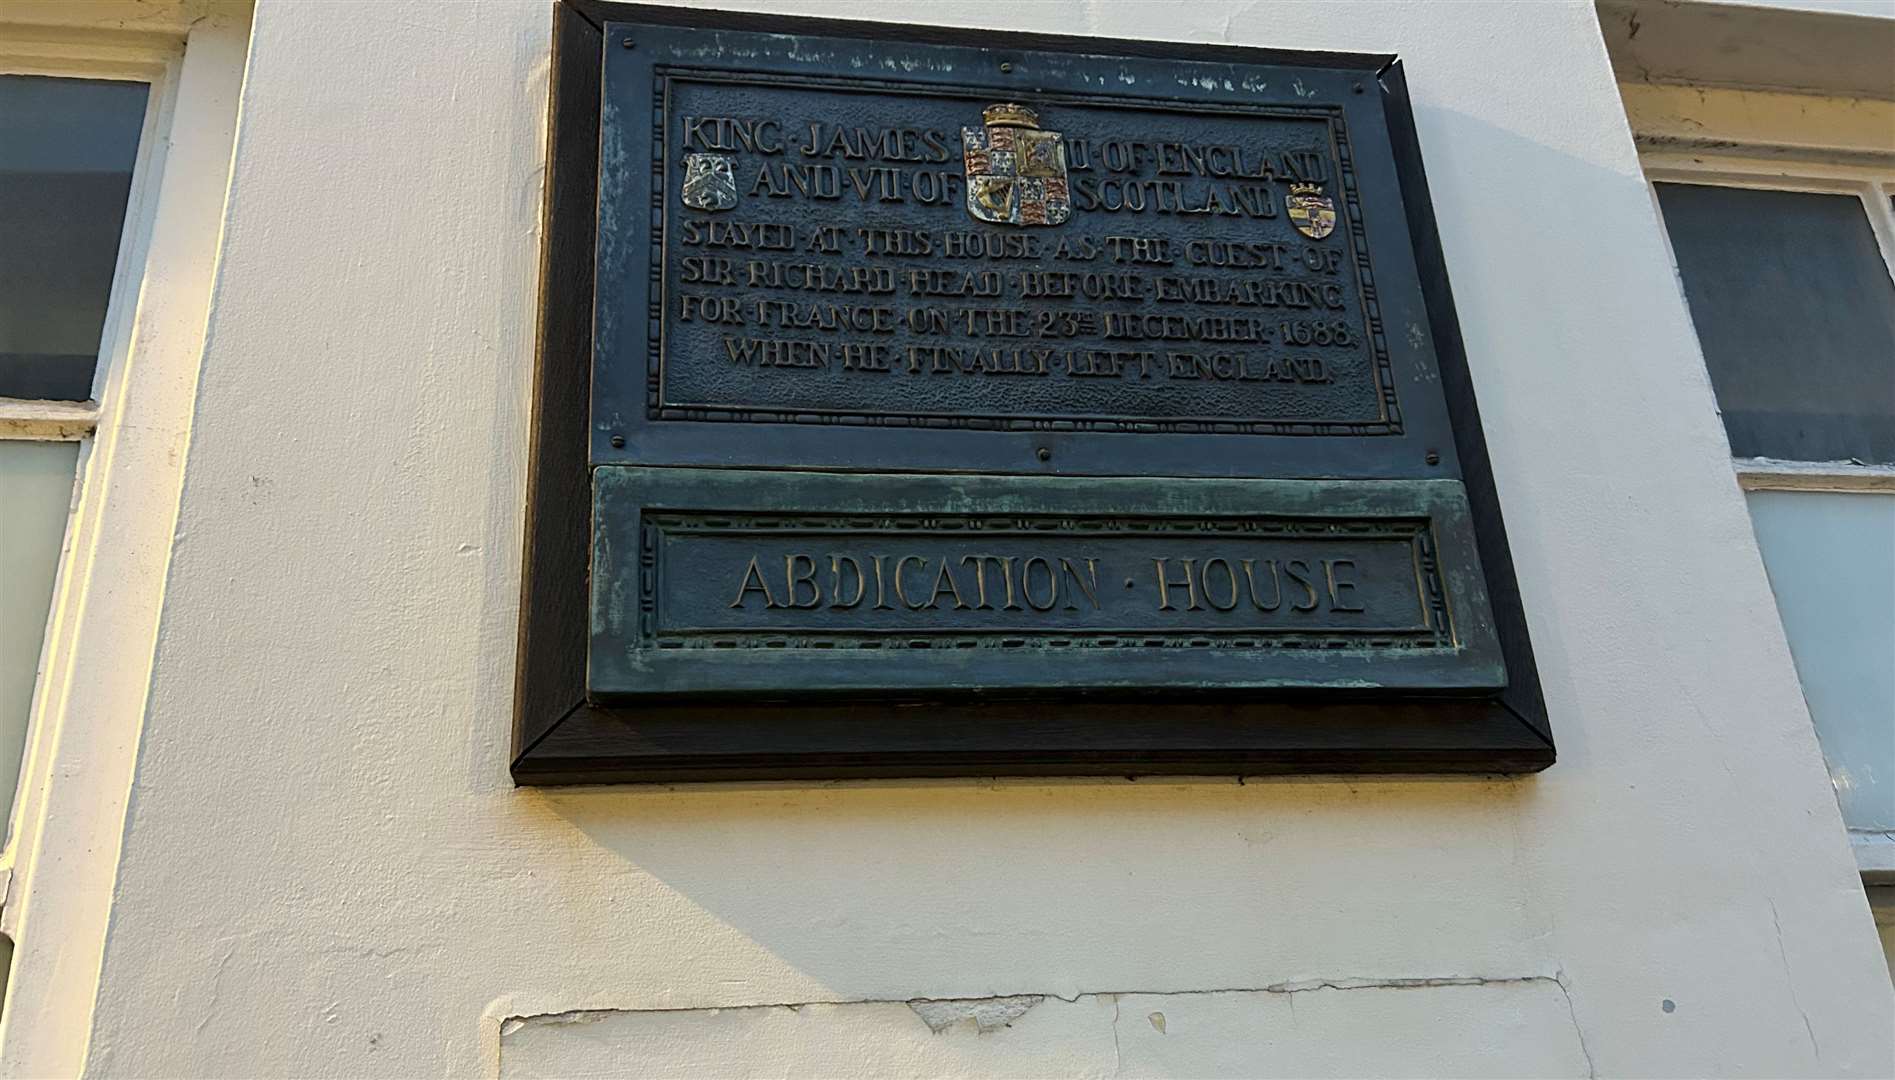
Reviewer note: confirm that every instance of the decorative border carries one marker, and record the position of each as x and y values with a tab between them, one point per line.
1381	366
1436	633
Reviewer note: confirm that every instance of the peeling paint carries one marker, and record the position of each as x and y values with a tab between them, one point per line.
576	1016
986	1014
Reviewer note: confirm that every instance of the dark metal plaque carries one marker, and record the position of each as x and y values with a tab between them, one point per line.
728	582
1104	398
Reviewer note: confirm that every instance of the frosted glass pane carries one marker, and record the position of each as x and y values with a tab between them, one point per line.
35	497
1831	559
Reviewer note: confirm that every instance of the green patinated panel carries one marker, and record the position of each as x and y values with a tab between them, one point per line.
718	581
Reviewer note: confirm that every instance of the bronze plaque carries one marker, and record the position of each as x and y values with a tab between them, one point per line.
888	366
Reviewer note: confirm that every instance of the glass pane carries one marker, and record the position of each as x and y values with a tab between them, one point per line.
66	153
1831	559
36	490
1796	313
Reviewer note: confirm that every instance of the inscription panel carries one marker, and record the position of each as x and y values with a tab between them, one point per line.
810	582
929	581
841	278
839	253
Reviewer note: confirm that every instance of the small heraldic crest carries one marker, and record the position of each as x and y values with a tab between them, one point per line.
1016	173
709	183
1311	211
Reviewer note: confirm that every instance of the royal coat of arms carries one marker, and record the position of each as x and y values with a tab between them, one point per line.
709	183
1016	173
1313	214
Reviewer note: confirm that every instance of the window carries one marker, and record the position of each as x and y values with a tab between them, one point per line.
1795	308
1831	560
1786	267
1769	139
137	126
1794	305
36	489
68	148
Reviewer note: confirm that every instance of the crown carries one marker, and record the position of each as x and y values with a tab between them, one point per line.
1306	188
1010	116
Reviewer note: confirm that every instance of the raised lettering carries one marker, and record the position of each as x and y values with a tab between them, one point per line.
835	582
1298	571
1276	585
901	593
1026	584
744	588
1210	590
1339	583
1165	585
793	580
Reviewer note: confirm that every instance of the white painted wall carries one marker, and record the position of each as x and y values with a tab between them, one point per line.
325	869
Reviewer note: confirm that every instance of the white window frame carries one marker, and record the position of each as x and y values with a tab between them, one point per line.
59	861
1868	173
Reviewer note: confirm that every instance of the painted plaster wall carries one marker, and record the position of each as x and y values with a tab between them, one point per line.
326	870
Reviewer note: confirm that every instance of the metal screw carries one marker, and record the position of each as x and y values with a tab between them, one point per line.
1005	67
618	442
1357	88
1043	454
627	42
1434	457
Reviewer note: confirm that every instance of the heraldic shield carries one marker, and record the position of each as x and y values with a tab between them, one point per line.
1016	173
709	183
1312	212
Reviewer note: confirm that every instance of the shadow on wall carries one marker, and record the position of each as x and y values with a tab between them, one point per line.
944	889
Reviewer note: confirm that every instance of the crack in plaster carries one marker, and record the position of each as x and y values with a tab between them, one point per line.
1559	979
963	1008
994	1012
1790	980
